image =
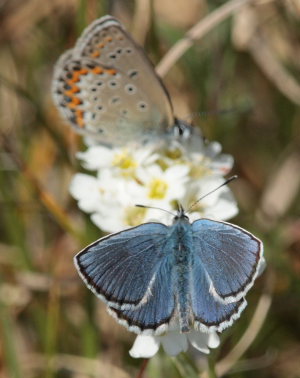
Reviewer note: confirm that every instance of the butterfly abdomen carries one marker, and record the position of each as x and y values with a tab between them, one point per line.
183	260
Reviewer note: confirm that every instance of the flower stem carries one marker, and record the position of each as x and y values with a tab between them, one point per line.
211	367
142	368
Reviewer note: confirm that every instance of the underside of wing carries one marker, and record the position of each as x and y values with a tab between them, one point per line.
82	90
105	103
121	268
230	257
107	88
107	42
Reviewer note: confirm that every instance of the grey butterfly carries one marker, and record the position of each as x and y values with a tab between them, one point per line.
106	88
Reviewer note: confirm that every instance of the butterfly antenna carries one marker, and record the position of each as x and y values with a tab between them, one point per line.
155	208
238	109
212	191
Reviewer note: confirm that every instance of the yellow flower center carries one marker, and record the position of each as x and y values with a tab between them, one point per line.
157	189
174	154
198	171
134	215
124	160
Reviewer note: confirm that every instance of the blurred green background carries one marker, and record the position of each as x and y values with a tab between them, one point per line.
240	84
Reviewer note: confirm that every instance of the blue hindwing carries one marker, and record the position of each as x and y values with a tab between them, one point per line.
159	306
210	313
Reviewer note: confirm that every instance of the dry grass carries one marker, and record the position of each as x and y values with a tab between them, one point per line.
50	325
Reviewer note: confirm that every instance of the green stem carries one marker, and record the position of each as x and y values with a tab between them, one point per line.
8	343
211	367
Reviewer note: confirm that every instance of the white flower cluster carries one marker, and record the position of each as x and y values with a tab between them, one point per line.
173	343
161	175
153	175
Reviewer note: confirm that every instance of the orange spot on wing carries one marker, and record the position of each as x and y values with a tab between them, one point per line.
79	117
71	91
74	103
95	54
111	71
73	80
97	70
76	76
83	71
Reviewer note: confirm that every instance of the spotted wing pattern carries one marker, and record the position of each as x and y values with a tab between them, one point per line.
107	88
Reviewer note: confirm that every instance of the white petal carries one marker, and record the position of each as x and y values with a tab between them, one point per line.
213	340
207	184
222	210
144	347
199	340
96	157
146	155
262	266
177	171
107	223
84	188
213	149
174	343
222	164
79	184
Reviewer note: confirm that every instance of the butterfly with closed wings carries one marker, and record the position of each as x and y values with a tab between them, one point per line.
107	88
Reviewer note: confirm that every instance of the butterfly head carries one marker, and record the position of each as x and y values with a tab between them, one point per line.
182	129
181	215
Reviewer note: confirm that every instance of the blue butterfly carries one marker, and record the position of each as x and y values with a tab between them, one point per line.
154	276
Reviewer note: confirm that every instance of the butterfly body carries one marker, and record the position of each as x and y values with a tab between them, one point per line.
180	250
154	276
107	88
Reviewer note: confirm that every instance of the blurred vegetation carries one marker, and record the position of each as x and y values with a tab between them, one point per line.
244	75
